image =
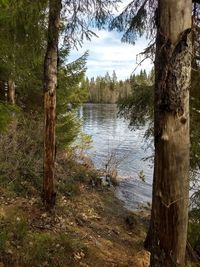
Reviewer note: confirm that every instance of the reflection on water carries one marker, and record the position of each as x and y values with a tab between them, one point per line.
111	134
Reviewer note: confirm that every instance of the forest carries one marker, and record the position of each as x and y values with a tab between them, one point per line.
57	208
110	90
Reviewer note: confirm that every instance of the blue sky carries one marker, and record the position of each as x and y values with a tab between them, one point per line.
108	53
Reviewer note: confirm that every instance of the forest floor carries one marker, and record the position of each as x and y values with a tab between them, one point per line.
88	227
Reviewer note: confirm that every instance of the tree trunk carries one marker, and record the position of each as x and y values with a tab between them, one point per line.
11	92
50	85
2	91
167	234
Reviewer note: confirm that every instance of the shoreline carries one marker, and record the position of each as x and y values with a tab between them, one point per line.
90	225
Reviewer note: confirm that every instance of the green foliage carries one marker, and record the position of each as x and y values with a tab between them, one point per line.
23	38
135	20
83	143
12	232
77	22
19	228
107	89
68	187
21	155
71	93
22	32
21	164
37	248
68	129
38	253
71	175
3	3
52	250
70	78
137	108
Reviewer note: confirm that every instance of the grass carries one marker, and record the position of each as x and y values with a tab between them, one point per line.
53	250
87	228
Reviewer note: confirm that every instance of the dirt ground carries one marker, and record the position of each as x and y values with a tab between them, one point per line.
98	230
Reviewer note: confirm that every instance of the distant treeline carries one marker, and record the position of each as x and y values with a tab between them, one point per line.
109	89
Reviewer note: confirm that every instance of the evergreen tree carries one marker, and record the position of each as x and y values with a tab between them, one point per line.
114	77
22	38
72	92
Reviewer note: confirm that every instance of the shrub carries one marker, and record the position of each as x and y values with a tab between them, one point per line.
21	156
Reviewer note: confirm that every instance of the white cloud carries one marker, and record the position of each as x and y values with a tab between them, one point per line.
108	53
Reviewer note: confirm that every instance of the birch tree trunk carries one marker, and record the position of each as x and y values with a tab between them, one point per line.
169	217
50	85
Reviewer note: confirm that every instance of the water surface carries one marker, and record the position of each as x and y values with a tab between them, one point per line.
112	136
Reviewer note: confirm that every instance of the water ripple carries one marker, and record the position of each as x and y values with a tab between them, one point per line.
111	135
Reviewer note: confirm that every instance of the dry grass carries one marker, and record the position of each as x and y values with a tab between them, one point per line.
86	229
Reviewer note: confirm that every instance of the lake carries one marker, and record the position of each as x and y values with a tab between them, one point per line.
112	136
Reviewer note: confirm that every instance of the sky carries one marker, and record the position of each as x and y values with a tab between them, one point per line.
108	53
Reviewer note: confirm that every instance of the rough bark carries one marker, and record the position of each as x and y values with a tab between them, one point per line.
167	234
50	85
